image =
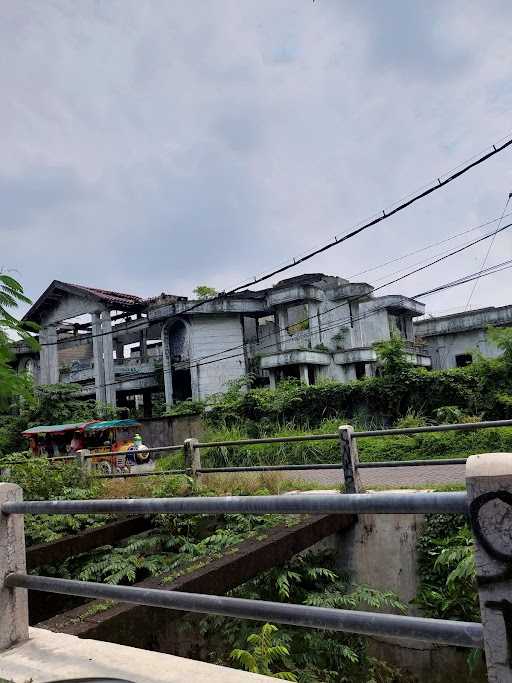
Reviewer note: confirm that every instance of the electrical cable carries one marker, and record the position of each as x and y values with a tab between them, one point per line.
356	231
491	244
198	362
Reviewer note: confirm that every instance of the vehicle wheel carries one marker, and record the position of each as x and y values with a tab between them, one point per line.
105	467
141	457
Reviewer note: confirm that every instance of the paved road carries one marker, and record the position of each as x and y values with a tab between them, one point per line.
389	476
378	476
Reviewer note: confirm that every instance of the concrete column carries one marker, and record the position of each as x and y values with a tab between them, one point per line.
272	379
52	355
282	321
44	367
167	368
489	487
314	324
97	348
304	376
108	358
143	343
13	601
119	350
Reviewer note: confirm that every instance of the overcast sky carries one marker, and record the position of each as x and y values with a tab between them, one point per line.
151	146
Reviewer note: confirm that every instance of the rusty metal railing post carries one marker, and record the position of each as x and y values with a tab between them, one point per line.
349	459
192	458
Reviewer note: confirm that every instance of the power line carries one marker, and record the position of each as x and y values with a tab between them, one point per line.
199	362
492	270
378	219
385	215
491	244
428	246
376	289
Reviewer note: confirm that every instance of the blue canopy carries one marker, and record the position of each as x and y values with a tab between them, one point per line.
111	424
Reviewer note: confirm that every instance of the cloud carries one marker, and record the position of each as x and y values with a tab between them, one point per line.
36	192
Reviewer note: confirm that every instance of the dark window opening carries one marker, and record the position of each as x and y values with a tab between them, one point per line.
290	371
360	370
463	359
181	385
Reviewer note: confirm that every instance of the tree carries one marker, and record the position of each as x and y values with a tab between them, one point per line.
204	292
11	295
391	354
502	338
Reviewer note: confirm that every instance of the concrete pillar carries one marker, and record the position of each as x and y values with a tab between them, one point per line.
143	343
489	487
52	355
13	601
304	376
167	368
119	350
97	348
44	367
282	322
314	324
108	358
272	379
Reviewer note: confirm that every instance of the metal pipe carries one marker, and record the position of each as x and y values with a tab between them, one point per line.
465	426
462	634
412	463
381	503
147	450
269	468
152	473
270	439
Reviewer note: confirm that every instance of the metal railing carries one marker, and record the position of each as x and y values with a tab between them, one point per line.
349	462
193	466
488	478
462	634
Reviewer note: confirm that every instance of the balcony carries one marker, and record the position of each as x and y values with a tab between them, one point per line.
83	371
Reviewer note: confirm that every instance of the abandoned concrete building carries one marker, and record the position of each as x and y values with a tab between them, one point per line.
118	346
452	340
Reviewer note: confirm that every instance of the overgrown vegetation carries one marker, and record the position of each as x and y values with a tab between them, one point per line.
311	656
482	389
447	571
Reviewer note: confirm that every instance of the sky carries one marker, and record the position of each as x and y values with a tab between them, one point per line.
153	145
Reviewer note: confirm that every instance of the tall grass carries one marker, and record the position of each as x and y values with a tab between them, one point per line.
419	446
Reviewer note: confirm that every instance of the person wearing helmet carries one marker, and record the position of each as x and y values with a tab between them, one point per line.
138	453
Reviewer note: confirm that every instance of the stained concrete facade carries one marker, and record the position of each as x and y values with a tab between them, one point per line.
116	345
453	340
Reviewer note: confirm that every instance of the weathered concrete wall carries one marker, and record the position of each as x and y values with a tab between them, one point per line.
209	335
381	551
170	431
445	347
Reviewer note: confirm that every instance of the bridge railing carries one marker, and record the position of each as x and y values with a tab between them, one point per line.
487	501
348	462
